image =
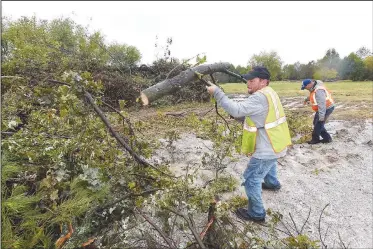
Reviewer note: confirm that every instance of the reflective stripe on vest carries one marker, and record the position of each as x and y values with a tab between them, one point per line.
275	126
276	123
249	128
329	100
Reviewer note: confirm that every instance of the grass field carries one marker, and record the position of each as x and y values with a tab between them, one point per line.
342	90
356	98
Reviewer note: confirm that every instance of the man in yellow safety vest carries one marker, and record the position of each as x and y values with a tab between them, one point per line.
265	137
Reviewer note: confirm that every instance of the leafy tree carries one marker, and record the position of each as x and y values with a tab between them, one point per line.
363	52
123	56
352	67
289	72
368	63
271	60
331	59
242	70
325	74
307	71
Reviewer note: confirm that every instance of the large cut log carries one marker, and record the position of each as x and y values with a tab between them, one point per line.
169	86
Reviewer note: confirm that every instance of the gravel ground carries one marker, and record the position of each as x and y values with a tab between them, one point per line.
312	176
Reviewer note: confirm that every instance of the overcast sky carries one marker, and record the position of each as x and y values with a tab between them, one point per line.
225	31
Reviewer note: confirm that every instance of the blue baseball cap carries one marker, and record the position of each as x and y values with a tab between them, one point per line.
305	83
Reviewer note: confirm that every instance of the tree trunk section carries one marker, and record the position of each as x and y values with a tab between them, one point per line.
172	85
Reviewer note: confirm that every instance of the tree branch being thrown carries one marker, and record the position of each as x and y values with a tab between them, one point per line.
170	86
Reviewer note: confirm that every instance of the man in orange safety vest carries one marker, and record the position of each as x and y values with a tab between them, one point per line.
323	104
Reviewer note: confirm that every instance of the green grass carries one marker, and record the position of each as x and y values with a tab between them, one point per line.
355	99
341	90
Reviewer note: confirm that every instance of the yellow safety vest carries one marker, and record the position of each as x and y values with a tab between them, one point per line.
275	125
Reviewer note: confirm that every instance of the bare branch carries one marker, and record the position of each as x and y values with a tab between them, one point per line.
216	104
287	229
178	114
301	230
130	195
295	225
168	75
113	133
207	112
164	236
11	77
217	112
190	225
29	178
120	114
319	228
59	82
341	241
7	133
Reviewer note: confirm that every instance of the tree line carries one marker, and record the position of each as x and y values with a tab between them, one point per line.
357	66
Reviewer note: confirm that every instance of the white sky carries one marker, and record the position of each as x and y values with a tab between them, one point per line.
224	31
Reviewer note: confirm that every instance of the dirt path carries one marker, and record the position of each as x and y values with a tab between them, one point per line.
312	176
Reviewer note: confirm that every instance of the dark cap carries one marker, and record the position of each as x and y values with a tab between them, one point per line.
257	72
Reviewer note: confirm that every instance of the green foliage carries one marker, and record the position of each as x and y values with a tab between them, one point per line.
224	184
368	63
325	74
123	56
300	126
331	60
226	142
53	150
271	60
237	202
242	70
289	72
301	241
38	49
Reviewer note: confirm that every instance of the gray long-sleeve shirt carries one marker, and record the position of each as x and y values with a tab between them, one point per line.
256	107
320	96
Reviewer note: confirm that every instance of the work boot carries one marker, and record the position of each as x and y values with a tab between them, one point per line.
325	141
242	214
326	137
264	186
315	139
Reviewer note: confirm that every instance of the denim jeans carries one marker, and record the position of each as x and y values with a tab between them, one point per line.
257	171
319	127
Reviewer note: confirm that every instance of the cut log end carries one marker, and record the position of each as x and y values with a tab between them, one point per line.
144	99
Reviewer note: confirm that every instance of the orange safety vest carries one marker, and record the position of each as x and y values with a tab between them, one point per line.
329	100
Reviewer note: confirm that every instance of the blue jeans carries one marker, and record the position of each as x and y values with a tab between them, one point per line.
319	127
257	171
